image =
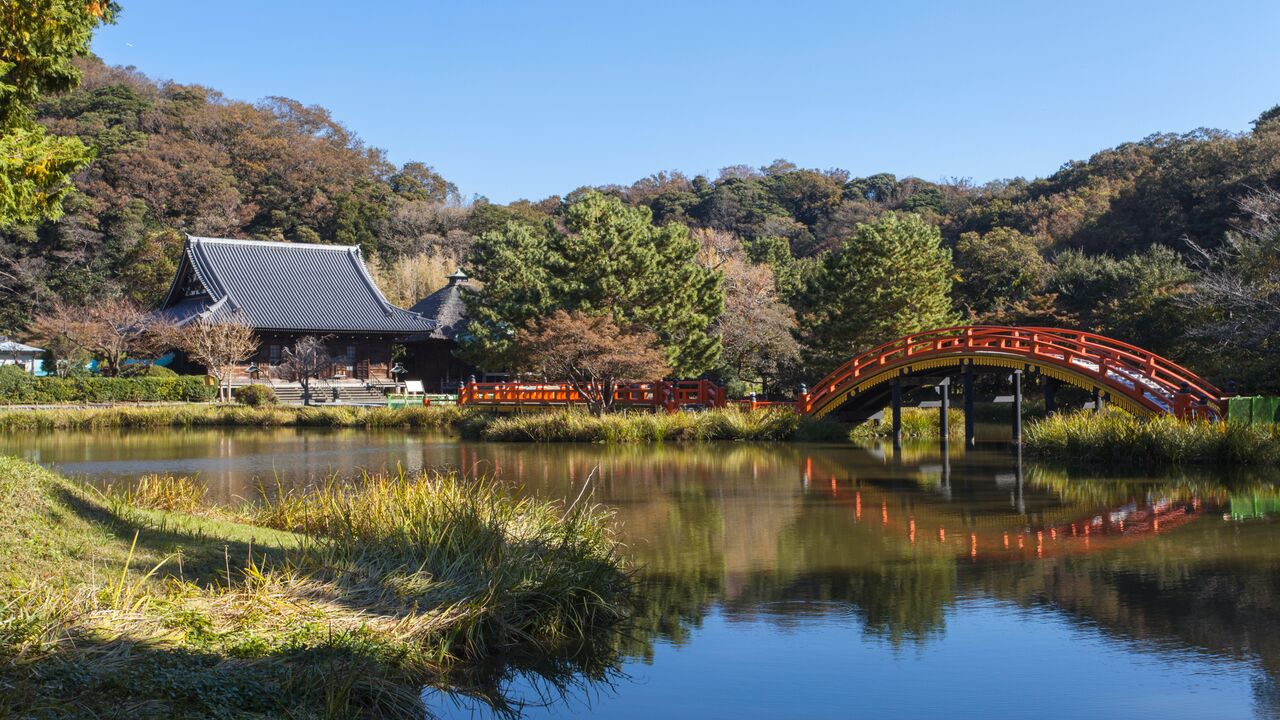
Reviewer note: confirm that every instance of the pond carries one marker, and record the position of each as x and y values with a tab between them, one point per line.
832	581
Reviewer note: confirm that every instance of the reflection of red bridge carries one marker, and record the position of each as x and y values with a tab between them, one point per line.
1135	379
1005	539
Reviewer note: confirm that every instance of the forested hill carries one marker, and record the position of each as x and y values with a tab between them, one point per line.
1115	243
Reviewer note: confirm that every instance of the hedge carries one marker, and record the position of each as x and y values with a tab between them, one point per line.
19	387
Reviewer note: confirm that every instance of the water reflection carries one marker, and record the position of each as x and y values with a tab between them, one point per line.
774	575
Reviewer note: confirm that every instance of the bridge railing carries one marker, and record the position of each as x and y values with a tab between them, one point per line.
1149	379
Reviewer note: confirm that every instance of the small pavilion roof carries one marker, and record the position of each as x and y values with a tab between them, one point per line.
446	308
9	347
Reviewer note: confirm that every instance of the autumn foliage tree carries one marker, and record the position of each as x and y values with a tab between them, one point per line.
61	331
220	345
591	352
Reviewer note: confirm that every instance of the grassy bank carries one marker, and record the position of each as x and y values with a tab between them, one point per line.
550	426
436	416
340	604
1119	438
727	424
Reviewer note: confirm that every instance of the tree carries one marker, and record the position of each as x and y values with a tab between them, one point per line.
999	267
61	330
609	258
307	360
38	40
756	329
892	278
590	352
119	329
1236	301
220	345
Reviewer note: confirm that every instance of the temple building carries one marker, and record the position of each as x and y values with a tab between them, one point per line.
286	291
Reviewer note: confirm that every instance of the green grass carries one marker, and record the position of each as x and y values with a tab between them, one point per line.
435	416
1119	438
917	424
350	602
644	427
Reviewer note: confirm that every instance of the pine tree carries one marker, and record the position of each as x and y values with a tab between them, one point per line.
609	259
891	278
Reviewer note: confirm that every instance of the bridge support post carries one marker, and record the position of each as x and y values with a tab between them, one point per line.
944	421
897	413
1050	395
1097	400
1017	407
970	437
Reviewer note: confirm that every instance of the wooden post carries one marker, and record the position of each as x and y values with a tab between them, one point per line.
944	422
1050	395
897	414
1097	400
1017	407
970	437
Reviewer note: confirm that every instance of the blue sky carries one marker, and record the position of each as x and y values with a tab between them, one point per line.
529	99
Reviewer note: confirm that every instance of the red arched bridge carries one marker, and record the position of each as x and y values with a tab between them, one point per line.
1134	379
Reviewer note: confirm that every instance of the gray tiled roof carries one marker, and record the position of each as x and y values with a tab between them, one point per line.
13	346
287	286
446	308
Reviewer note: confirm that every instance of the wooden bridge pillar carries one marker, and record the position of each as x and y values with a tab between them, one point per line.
944	422
1017	407
970	437
897	413
1051	395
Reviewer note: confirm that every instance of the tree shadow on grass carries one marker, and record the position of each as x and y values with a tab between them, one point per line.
203	560
325	671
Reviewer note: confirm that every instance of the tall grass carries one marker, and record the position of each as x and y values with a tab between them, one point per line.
344	603
639	427
1119	438
917	424
162	492
509	570
435	416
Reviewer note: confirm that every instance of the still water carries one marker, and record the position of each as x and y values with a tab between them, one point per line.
830	581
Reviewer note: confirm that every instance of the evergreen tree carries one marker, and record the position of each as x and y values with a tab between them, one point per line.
609	258
38	40
891	278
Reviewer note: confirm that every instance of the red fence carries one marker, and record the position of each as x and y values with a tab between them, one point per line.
666	395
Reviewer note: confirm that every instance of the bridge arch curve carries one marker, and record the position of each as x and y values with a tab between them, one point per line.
1130	377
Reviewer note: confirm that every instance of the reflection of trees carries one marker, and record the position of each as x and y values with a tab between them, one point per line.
1210	586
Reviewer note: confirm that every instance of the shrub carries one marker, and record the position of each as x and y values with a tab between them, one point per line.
20	387
159	371
256	395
